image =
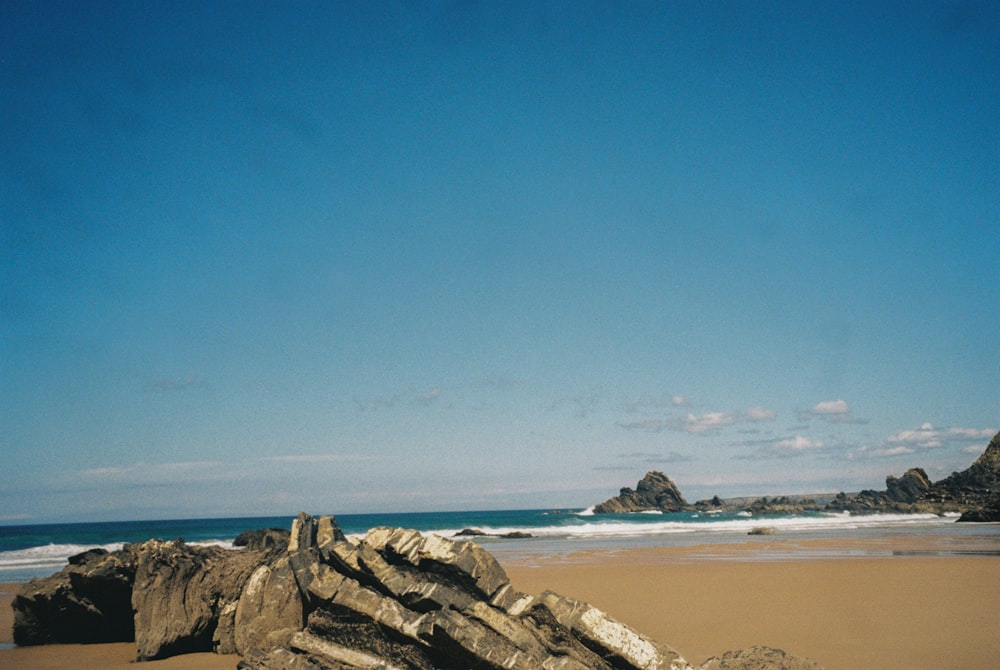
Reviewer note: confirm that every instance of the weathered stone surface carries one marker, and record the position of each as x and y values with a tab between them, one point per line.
270	609
758	658
185	597
655	491
87	601
618	644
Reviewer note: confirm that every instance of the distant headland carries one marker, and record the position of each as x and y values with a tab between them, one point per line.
974	493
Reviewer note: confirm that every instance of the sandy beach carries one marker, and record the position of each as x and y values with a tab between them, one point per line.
914	608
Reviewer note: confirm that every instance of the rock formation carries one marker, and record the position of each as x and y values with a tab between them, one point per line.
395	599
971	492
758	658
654	492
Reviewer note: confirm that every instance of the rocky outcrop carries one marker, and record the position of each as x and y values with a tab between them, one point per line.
654	492
395	599
87	601
901	494
970	492
758	658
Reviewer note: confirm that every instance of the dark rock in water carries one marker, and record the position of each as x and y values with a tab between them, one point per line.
656	491
266	538
516	535
758	658
87	601
990	512
395	599
470	532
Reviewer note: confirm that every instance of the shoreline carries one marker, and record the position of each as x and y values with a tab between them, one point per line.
916	602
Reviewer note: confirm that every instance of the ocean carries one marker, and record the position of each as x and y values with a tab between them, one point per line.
28	551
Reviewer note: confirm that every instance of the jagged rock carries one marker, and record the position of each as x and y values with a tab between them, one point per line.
758	658
655	491
908	488
969	491
87	601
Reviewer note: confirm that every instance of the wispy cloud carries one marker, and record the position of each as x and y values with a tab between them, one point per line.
710	421
755	414
316	458
662	401
166	384
390	401
651	425
924	437
928	437
138	473
645	459
691	423
784	448
833	411
427	397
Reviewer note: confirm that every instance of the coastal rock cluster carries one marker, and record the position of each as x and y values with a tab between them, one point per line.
974	492
313	600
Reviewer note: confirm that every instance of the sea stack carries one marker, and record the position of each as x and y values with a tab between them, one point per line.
654	492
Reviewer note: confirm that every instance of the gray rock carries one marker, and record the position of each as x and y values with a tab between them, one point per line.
758	658
655	491
270	608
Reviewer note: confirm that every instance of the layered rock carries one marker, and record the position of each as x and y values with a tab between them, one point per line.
654	492
395	599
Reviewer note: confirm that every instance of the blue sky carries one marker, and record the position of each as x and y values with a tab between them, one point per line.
349	257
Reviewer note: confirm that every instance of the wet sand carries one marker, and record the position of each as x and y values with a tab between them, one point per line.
882	604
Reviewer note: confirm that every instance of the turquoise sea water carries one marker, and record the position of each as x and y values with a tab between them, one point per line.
28	551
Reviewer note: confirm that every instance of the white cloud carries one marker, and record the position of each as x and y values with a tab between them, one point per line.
759	414
784	448
690	423
828	407
929	437
925	437
794	446
679	401
833	411
971	433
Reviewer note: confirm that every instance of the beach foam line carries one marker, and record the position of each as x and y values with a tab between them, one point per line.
644	525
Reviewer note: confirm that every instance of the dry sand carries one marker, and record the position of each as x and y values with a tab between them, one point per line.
911	611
